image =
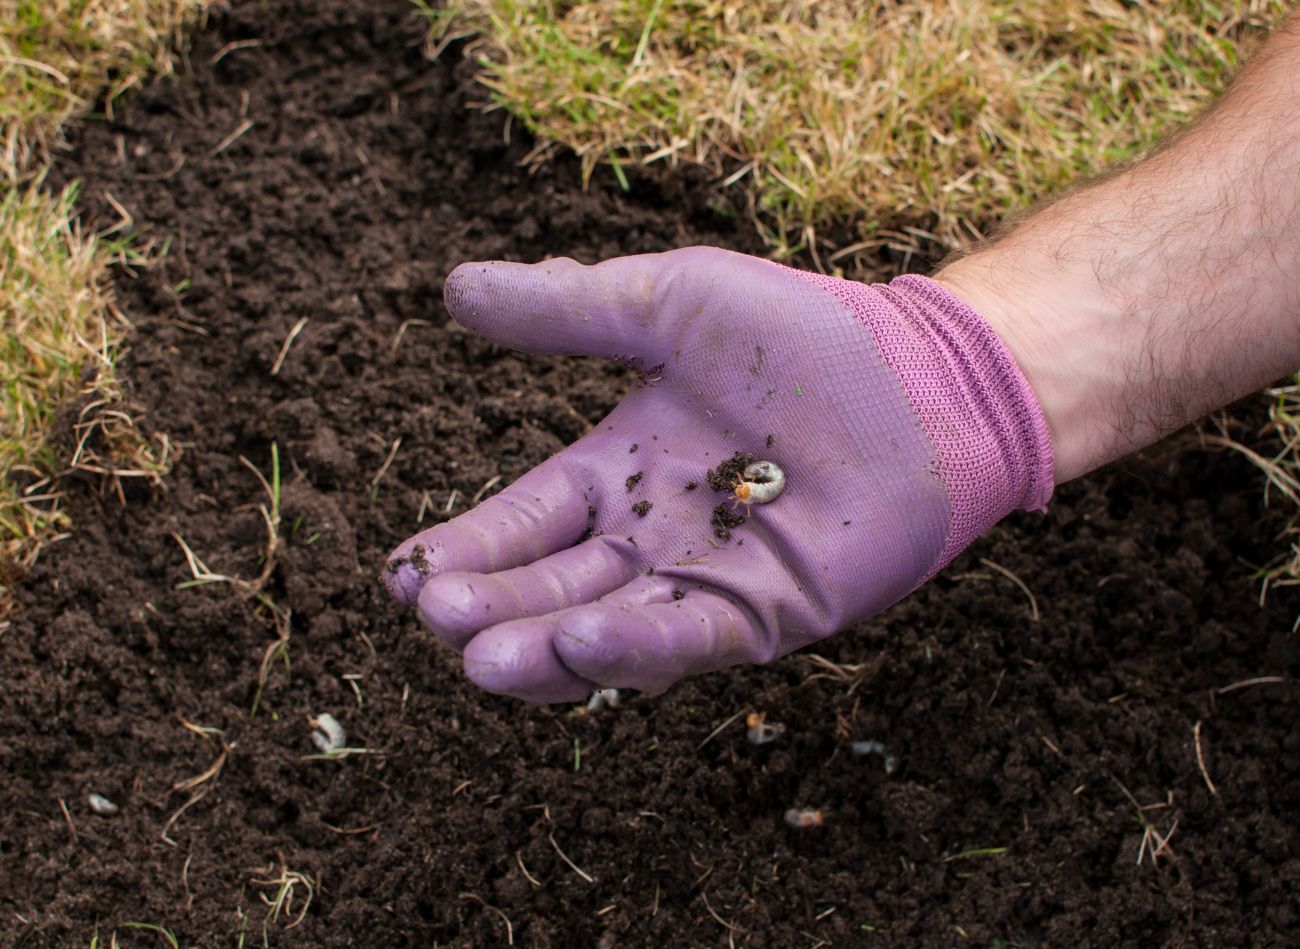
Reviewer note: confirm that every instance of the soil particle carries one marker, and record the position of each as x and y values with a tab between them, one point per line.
633	480
724	476
722	518
642	508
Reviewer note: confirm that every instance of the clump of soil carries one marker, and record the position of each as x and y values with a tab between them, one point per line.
724	477
722	518
642	508
1041	760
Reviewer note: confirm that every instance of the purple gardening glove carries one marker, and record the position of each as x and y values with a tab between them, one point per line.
902	425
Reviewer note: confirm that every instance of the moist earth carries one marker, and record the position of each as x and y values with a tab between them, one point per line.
1100	751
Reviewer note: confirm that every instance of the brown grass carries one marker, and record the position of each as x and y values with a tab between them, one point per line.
919	121
60	337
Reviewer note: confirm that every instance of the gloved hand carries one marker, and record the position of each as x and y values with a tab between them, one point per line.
901	422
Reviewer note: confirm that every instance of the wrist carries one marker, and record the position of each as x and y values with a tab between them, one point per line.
1051	343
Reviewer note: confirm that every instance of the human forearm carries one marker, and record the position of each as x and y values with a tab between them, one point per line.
1139	303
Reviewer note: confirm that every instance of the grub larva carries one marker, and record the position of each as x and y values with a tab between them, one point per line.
759	731
101	805
760	483
860	748
327	734
804	818
603	698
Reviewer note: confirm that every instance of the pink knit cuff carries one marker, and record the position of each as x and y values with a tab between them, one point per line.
975	405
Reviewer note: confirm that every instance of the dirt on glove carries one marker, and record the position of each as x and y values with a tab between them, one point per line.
1107	756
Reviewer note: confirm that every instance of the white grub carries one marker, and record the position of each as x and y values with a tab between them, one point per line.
327	734
603	698
862	748
804	818
759	731
764	480
101	805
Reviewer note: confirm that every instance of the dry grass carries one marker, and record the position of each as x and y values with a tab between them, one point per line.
56	55
916	120
61	335
1282	469
59	345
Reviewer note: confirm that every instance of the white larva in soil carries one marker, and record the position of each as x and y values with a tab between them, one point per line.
101	805
760	483
804	818
759	731
327	734
861	748
603	698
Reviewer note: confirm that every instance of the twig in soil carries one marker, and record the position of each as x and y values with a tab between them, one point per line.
191	784
347	831
1200	759
278	648
351	678
230	139
288	342
519	859
197	796
1247	683
282	902
1155	843
185	881
510	930
150	928
487	486
72	828
230	47
248	588
854	675
1149	832
572	866
976	852
717	731
730	927
401	331
338	754
383	469
1033	601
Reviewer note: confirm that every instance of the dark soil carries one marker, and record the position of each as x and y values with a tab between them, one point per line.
1034	753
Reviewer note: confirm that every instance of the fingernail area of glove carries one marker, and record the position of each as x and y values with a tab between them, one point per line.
511	660
405	574
451	611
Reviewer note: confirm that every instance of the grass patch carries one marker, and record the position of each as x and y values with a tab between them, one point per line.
1282	469
56	55
914	121
60	337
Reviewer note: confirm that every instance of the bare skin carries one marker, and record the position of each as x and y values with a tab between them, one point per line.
1144	300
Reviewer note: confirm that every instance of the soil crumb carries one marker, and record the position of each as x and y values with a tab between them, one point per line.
725	475
722	519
